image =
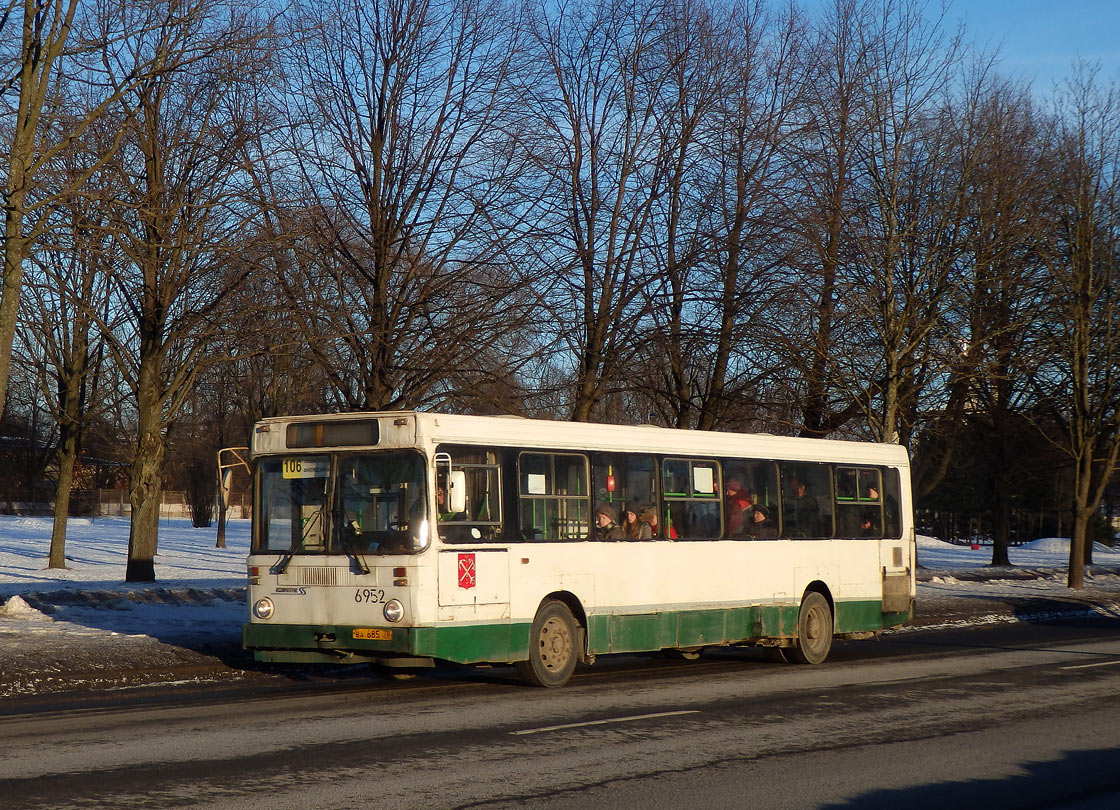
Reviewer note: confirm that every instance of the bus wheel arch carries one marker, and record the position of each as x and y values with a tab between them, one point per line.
815	626
557	640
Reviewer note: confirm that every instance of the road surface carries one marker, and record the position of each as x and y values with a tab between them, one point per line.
1012	716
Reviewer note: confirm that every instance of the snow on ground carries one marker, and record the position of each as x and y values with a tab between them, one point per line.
198	597
958	587
199	593
97	551
1046	552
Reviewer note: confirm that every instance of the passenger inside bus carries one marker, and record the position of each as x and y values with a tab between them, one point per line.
443	510
802	512
631	528
739	507
759	523
605	526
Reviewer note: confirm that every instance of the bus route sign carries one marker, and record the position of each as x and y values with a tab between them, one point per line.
297	467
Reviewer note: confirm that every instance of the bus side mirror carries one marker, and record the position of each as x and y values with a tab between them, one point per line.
457	492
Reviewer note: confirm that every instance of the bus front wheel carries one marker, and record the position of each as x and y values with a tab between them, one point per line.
814	631
552	646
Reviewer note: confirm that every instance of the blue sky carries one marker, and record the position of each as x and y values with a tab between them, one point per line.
1041	38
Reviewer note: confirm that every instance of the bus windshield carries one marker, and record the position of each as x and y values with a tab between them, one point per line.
367	503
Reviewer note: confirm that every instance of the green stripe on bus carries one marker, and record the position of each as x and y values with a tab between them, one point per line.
606	633
614	633
474	643
462	643
857	617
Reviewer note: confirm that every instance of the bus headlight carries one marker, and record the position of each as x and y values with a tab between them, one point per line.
264	608
394	610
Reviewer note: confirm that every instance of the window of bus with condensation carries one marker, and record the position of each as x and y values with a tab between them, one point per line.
482	518
691	490
554	500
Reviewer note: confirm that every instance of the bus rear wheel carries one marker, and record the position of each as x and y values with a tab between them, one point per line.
552	647
814	631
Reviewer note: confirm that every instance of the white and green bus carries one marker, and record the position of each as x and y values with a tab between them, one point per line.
408	538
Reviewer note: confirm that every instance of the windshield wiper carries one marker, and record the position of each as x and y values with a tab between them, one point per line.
357	562
282	564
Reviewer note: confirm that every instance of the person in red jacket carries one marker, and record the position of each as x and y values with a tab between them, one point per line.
739	507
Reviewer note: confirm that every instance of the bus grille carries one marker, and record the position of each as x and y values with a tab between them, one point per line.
324	575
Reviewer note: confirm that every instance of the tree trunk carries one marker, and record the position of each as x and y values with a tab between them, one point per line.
1001	520
67	455
1001	484
587	384
15	251
225	479
145	497
1076	578
145	485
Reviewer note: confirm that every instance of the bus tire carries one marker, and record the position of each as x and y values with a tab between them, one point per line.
814	631
552	646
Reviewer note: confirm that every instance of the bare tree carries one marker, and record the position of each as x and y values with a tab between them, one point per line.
713	242
397	275
181	216
70	272
1002	292
750	285
594	83
36	52
879	200
832	122
57	40
909	242
1079	351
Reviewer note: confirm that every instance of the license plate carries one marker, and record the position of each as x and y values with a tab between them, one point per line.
373	634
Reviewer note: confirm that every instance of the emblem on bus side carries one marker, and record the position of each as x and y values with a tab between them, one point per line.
466	570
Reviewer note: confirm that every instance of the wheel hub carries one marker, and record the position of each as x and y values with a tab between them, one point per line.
556	646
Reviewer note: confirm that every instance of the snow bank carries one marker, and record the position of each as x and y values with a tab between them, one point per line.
17	608
1052	545
1060	545
933	542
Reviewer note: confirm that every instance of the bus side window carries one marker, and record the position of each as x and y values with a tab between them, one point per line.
750	499
480	518
806	499
553	496
625	482
691	489
892	524
859	503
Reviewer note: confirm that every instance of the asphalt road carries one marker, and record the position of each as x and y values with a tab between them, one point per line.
1008	716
